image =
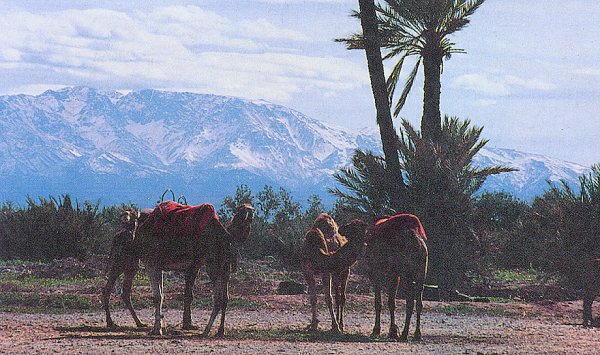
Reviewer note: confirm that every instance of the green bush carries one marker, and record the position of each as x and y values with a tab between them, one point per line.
56	228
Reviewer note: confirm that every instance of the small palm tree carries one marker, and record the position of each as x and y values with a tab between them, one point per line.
440	181
361	193
419	28
568	221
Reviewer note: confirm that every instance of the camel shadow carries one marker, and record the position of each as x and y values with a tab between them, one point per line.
272	334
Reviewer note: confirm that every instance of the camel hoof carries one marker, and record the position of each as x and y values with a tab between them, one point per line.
393	334
157	330
220	334
376	333
141	325
111	326
417	337
404	337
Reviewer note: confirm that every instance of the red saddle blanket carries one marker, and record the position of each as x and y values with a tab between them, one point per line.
175	219
385	225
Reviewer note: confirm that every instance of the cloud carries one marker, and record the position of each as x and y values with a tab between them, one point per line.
306	1
589	72
501	86
482	84
167	47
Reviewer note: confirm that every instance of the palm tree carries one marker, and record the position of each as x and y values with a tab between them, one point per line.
361	193
419	28
389	138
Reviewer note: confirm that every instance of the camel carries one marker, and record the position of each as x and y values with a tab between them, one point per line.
122	262
591	291
396	254
178	237
333	266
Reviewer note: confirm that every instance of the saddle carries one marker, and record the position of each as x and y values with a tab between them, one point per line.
172	218
384	226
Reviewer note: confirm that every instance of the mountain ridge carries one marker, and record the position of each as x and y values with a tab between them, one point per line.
199	144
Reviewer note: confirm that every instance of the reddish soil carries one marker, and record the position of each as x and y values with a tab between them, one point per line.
277	327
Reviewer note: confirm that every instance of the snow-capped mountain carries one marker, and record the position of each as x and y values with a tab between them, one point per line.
118	148
534	172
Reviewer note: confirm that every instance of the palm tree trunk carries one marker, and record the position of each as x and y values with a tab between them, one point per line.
431	123
389	139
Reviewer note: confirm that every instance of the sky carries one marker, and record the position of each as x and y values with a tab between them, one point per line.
530	75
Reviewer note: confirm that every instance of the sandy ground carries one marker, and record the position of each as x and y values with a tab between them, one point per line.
278	329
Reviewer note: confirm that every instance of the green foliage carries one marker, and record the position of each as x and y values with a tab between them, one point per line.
498	222
462	309
67	302
362	181
56	228
564	228
279	223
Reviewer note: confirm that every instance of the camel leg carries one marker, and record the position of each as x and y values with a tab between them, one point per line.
588	299
217	303
156	279
341	299
309	277
392	290
224	301
130	272
110	283
377	327
419	307
329	300
188	296
409	289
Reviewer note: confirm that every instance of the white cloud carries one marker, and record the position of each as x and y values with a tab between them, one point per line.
168	47
501	86
485	102
532	84
593	72
481	83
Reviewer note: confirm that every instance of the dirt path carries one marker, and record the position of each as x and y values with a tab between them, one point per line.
526	328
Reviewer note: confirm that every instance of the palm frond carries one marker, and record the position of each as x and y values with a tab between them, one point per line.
407	86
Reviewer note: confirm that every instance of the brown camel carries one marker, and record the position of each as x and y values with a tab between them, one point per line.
122	262
333	266
178	237
591	291
397	254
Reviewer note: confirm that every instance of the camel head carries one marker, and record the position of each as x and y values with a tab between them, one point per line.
124	237
355	232
241	224
129	217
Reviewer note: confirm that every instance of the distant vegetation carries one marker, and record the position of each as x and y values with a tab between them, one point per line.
555	234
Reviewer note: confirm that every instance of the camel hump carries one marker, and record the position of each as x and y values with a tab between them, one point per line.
404	220
330	230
